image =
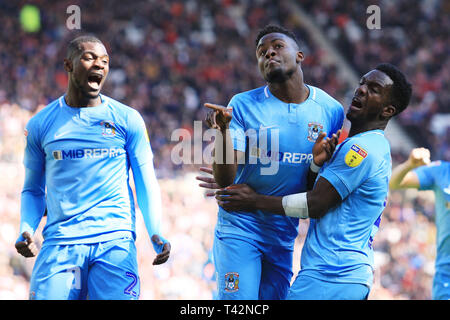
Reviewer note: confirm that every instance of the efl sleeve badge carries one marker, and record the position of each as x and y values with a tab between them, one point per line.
355	156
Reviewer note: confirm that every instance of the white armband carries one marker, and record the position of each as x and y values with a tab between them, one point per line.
296	205
314	167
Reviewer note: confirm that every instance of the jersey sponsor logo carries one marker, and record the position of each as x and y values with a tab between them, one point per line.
286	157
314	129
231	282
108	128
355	156
95	153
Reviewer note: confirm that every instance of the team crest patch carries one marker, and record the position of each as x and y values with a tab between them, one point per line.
314	129
231	282
355	156
108	128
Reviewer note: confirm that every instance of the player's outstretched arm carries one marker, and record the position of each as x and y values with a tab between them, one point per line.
312	204
403	176
31	211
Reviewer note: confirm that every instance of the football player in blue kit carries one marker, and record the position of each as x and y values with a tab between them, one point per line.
79	151
418	172
348	197
267	138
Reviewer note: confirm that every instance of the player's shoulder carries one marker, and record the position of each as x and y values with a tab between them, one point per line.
323	98
373	139
43	115
437	165
371	144
122	111
258	94
118	106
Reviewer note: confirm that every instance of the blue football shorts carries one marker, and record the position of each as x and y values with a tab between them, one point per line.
98	271
251	270
309	288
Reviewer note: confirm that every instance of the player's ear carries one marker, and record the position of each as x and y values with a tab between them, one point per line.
300	56
389	111
68	65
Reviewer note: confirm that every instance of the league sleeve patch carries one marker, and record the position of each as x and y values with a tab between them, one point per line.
355	156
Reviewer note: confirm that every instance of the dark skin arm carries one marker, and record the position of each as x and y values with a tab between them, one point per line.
225	157
322	151
242	197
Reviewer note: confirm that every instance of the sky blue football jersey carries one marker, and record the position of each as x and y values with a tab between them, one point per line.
277	139
436	177
338	246
86	154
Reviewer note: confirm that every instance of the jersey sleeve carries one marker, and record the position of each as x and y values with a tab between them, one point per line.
138	144
349	168
426	175
237	125
34	157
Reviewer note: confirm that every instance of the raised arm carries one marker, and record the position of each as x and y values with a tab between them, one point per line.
403	176
323	150
225	157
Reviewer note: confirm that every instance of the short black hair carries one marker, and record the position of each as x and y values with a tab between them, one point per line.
401	89
74	46
272	28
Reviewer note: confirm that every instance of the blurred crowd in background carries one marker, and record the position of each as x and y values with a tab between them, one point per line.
169	57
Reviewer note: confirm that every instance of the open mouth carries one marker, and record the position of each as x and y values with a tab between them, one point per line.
94	80
356	104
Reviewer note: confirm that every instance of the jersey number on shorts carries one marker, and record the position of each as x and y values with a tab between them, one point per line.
129	290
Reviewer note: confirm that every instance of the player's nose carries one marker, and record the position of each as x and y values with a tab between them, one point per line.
270	53
361	90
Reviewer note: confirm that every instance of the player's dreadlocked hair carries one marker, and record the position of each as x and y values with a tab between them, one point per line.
74	46
401	89
271	28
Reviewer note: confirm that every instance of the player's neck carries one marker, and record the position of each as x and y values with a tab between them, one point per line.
75	98
360	128
292	90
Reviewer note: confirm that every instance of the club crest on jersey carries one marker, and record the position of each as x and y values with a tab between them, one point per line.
108	128
314	129
231	282
355	156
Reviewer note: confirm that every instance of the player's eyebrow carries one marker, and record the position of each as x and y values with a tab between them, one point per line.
271	41
373	82
94	54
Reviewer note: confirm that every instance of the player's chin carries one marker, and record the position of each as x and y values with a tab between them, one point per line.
274	75
92	93
352	114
